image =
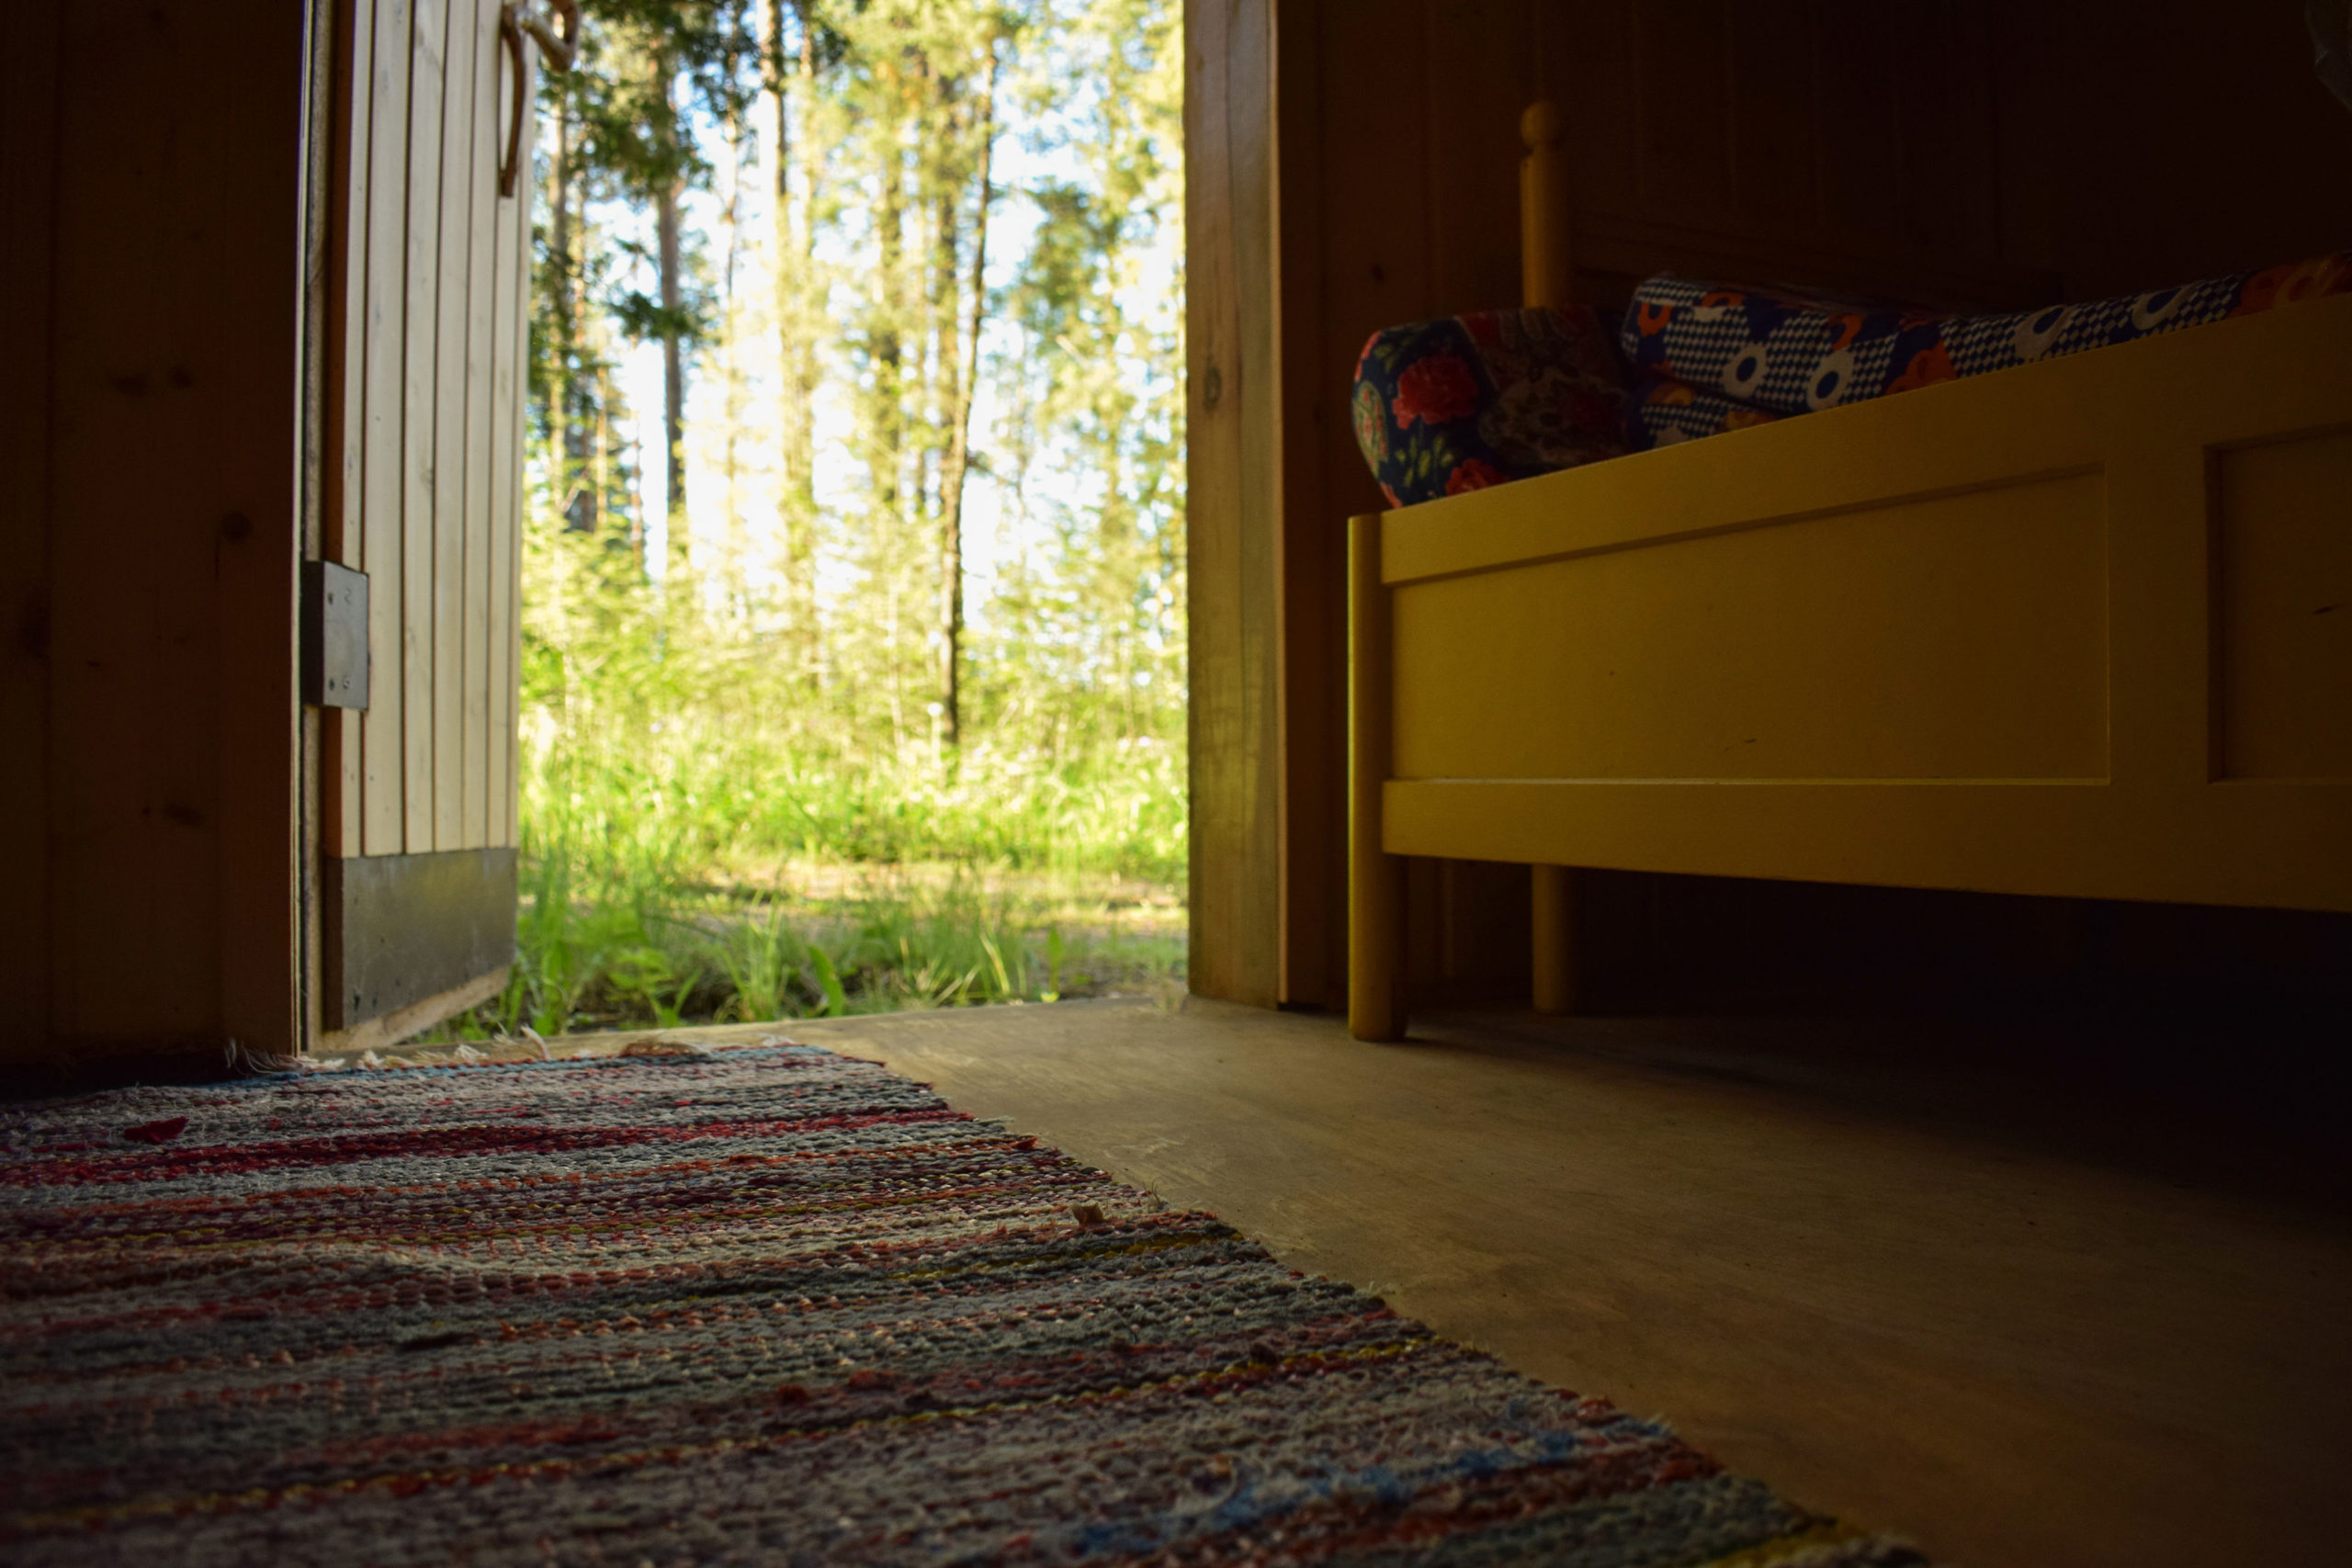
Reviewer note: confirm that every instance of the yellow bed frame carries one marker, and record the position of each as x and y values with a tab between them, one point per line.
2080	629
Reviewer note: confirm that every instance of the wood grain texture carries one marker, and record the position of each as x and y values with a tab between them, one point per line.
343	464
442	303
512	684
150	687
152	528
1234	507
450	490
510	288
483	421
383	490
421	390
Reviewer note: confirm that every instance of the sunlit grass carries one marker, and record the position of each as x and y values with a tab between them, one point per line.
713	833
710	879
835	941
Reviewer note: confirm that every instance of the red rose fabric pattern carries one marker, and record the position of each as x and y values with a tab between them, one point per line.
1474	474
1464	402
1436	390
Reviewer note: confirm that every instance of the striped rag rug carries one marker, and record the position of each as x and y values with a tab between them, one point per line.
771	1305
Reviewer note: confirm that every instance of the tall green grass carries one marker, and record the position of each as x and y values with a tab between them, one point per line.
709	835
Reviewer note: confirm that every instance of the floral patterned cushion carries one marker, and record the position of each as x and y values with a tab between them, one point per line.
1712	358
1462	403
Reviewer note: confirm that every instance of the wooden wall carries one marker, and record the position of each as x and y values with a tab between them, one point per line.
1957	152
151	166
2144	144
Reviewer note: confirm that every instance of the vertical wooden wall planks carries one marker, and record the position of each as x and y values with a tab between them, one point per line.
383	775
440	282
454	243
344	465
421	389
510	271
482	417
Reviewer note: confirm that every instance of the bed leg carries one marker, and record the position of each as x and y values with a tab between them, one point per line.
1376	975
1554	909
1376	878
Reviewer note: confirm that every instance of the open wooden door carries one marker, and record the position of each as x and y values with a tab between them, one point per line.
427	306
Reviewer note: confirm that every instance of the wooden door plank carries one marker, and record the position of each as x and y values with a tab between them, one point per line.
451	489
482	420
511	687
511	288
382	776
420	387
346	424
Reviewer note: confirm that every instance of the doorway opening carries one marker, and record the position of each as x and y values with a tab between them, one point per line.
851	652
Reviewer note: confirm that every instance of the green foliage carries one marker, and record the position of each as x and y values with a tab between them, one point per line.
707	839
789	773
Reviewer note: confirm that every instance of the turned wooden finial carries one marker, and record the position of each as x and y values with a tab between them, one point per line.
1542	126
1542	206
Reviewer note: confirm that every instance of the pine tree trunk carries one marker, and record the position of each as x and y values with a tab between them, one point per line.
673	366
966	383
673	371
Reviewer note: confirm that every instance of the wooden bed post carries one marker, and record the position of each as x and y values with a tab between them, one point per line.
1376	878
1544	279
1544	268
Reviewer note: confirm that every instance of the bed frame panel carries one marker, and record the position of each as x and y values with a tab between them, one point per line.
2080	629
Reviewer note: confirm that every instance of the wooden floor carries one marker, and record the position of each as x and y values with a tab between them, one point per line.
1899	1274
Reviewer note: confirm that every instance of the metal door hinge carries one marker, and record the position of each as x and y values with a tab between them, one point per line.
334	636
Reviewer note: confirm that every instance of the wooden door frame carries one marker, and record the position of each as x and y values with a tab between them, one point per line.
1268	875
1233	504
